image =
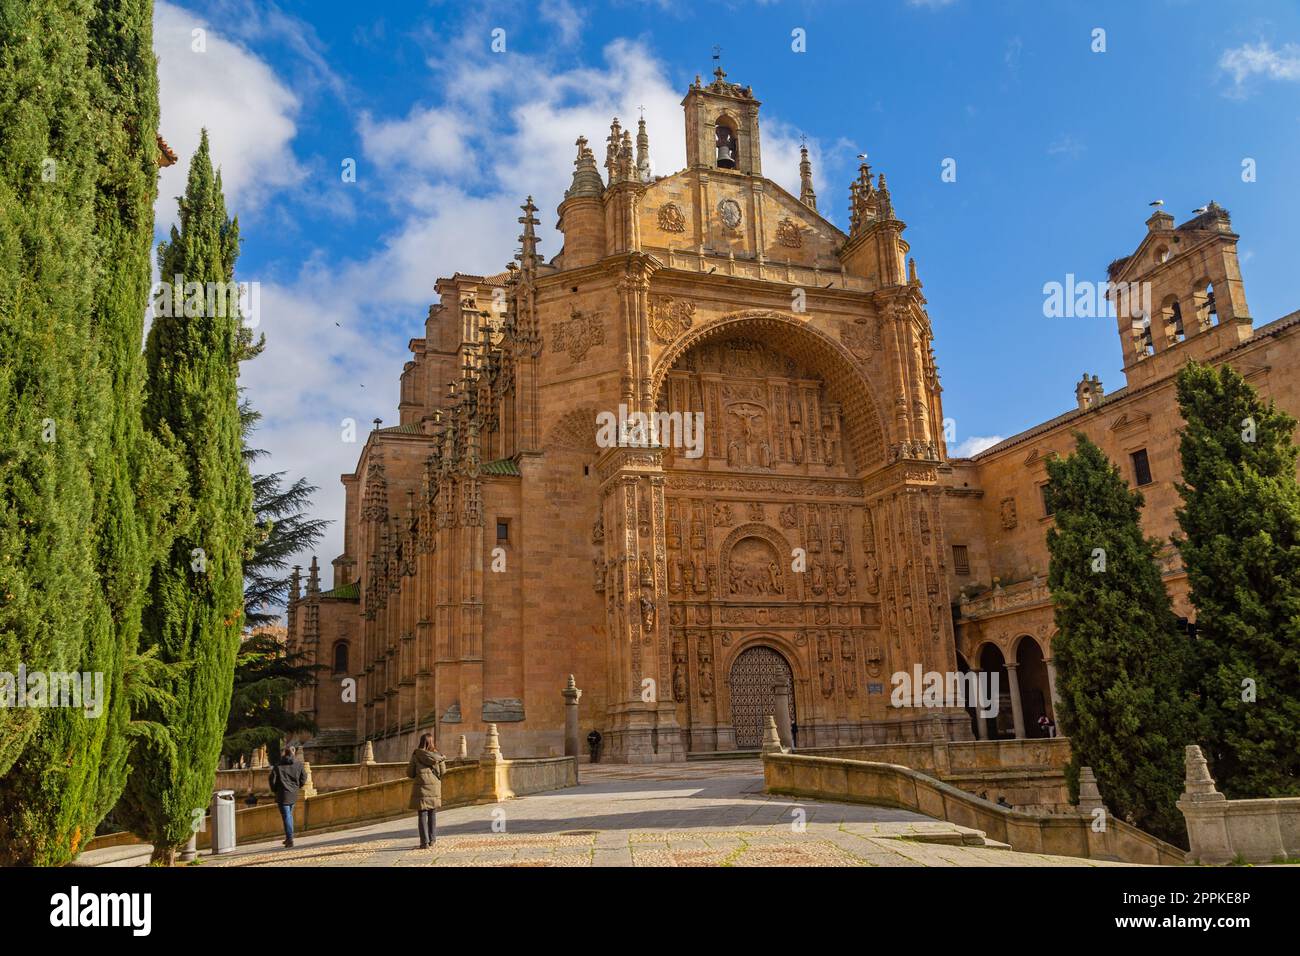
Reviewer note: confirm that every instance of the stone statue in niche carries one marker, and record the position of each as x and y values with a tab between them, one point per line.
849	657
818	578
699	577
873	575
788	517
647	572
598	567
841	579
722	516
675	576
796	442
831	436
774	578
648	614
598	530
679	669
705	655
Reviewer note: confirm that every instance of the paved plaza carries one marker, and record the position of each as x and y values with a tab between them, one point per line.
695	814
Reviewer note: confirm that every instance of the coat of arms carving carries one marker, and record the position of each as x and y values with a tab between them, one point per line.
859	338
670	317
671	218
577	334
788	234
729	212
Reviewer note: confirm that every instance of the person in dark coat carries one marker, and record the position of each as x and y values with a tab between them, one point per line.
425	770
287	778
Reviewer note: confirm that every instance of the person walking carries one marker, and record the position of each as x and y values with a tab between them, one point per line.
287	778
425	770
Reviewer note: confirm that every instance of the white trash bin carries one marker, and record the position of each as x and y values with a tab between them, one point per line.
223	821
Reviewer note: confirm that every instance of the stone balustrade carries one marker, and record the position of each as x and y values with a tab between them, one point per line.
1029	773
1090	832
1219	830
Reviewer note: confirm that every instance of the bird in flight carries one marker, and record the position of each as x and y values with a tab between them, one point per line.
1158	202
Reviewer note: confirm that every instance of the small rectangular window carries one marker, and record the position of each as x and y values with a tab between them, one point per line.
503	530
1141	467
1048	510
960	559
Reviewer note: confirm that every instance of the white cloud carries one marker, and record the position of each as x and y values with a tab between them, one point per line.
1260	59
974	445
564	17
249	113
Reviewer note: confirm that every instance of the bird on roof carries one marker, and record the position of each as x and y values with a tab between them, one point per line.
1158	202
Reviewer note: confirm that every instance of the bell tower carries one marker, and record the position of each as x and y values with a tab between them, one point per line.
722	126
1179	296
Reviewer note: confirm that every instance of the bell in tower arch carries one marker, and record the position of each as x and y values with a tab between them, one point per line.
726	142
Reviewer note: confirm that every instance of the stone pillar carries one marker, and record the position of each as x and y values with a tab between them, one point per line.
1204	809
571	695
981	722
1017	714
491	767
1089	795
771	739
782	716
368	753
1051	683
463	748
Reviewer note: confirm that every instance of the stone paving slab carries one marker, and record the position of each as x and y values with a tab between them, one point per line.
707	813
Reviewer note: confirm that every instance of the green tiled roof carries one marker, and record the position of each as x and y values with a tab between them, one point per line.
348	592
502	466
410	428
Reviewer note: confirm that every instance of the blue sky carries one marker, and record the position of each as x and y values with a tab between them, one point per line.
1058	151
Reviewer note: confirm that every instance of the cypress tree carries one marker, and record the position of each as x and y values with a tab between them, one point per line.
1120	656
194	611
47	287
1240	522
72	773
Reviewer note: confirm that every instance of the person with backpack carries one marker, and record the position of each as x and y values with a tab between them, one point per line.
425	770
287	778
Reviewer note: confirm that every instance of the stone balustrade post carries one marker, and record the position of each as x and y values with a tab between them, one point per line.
571	695
1205	811
772	737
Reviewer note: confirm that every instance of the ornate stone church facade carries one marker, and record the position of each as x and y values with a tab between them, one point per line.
815	537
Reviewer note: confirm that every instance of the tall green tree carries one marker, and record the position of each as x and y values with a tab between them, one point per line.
1121	657
1240	543
73	770
195	608
47	188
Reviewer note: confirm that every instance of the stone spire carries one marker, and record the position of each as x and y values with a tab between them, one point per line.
313	577
613	144
806	194
642	152
862	200
527	257
586	177
885	205
625	167
294	584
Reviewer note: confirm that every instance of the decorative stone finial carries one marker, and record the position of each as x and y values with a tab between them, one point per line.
463	748
491	746
1089	795
1198	785
308	788
368	753
772	739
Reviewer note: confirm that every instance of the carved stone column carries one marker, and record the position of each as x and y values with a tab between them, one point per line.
1017	712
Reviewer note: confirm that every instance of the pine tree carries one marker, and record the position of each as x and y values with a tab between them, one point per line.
265	675
1121	659
283	528
194	612
1240	522
50	386
73	771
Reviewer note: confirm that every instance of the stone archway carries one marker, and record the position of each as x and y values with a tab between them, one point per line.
754	673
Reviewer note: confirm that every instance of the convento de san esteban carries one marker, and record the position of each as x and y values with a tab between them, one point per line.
816	537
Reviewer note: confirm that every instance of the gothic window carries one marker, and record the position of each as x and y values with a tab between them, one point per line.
725	139
960	559
340	657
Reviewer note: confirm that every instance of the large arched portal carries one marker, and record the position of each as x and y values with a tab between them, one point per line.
755	674
767	526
